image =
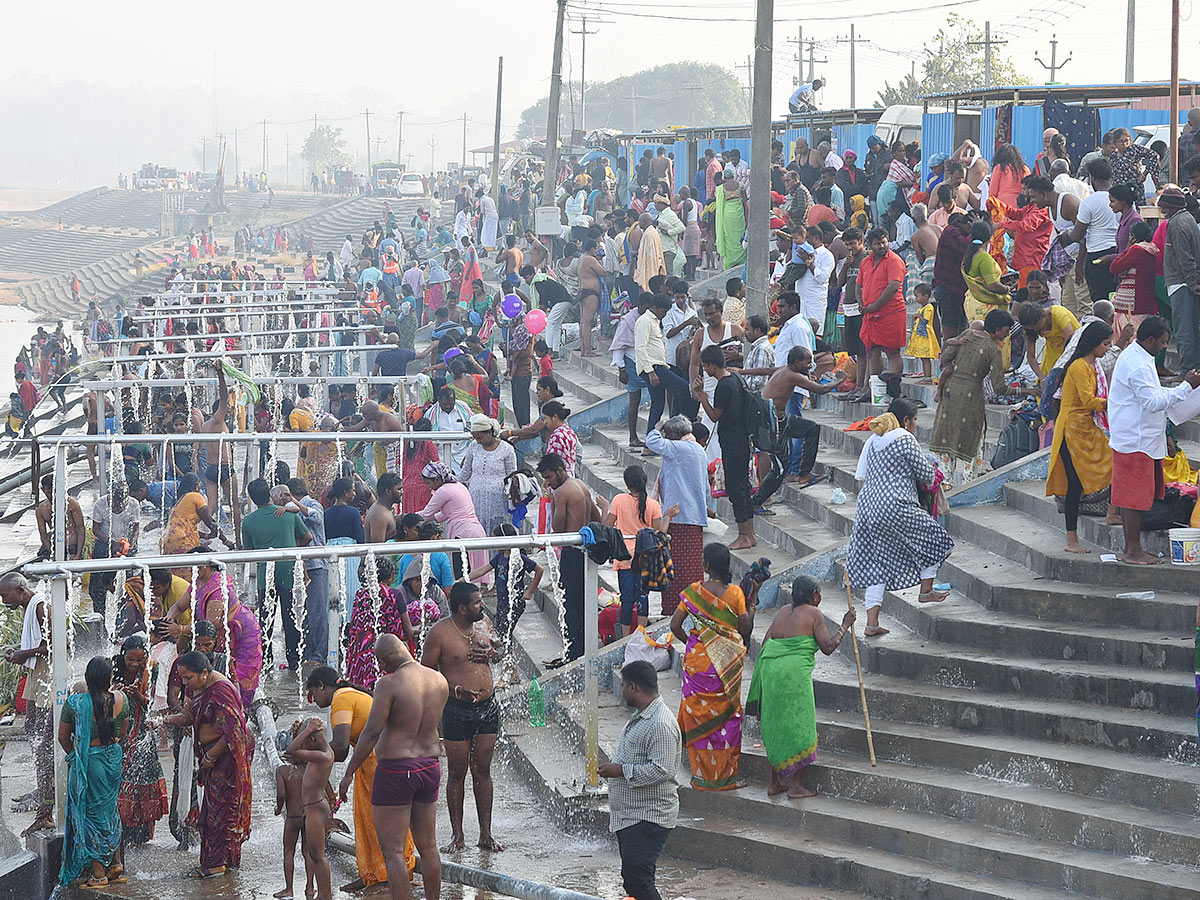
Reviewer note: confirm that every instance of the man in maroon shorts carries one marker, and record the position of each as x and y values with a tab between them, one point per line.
1137	419
880	289
402	729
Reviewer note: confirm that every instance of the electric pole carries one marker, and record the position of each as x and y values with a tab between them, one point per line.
236	170
798	56
1174	130
583	32
496	133
749	76
464	149
852	40
432	149
1129	22
287	159
551	174
264	125
760	161
204	153
987	43
1054	64
633	100
812	61
367	113
399	136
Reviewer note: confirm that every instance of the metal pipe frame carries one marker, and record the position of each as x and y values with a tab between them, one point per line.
208	381
230	334
254	437
218	354
274	307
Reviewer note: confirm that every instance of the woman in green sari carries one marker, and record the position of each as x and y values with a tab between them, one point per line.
90	732
781	691
731	220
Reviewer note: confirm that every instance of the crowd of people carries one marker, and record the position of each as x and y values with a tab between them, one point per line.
992	281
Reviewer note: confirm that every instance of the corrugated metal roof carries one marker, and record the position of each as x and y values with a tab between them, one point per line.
1041	91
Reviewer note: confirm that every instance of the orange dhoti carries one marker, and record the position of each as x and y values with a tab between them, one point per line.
371	867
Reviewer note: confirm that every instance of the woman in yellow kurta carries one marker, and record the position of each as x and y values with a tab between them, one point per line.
349	707
1056	324
982	274
710	714
1080	458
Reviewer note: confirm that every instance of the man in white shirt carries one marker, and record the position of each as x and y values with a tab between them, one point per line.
1096	225
805	96
115	518
347	253
1137	420
680	319
814	289
650	357
795	332
1060	171
451	414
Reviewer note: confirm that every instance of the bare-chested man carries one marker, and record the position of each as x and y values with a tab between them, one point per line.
402	729
571	507
220	477
511	256
965	197
90	406
539	256
925	238
461	648
380	522
778	390
376	418
977	167
591	282
311	749
45	522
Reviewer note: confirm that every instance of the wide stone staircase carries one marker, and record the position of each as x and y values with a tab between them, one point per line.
1034	733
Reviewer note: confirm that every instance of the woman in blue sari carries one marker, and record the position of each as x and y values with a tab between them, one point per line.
90	731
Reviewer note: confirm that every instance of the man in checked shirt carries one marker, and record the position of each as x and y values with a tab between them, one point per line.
642	793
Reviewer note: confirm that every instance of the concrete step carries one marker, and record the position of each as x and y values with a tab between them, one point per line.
946	847
1140	732
1172	692
962	621
1038	545
1007	762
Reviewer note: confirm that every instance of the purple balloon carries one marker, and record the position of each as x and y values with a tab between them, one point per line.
511	306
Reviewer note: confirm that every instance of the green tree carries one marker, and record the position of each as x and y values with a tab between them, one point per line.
654	99
955	62
324	147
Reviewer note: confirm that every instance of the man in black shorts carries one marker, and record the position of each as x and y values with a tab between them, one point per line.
461	649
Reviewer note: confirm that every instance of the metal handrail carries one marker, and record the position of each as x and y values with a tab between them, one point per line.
52	568
253	437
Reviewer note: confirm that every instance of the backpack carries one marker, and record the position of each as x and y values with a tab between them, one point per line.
1017	440
652	558
760	419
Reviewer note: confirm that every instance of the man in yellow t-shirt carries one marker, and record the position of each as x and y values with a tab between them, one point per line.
349	708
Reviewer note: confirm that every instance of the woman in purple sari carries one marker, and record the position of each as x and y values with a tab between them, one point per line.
239	635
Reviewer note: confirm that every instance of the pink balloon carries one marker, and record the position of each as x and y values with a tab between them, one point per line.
535	321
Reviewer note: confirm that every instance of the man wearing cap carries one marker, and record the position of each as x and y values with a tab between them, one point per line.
1181	272
851	179
670	230
937	169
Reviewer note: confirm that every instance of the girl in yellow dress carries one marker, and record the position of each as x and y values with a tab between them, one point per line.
923	342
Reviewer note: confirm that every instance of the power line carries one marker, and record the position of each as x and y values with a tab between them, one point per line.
934	8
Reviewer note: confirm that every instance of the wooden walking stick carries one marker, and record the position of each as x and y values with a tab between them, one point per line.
862	690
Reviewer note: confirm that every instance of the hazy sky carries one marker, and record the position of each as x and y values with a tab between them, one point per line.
437	60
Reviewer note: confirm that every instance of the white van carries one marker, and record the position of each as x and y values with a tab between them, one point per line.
903	123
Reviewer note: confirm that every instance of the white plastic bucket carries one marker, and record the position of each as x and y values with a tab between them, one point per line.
1185	546
879	394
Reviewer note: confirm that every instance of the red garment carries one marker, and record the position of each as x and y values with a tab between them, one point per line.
28	393
416	491
886	327
1143	264
1031	228
545	366
1160	241
1005	184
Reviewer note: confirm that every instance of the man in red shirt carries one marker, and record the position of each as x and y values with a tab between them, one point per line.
884	318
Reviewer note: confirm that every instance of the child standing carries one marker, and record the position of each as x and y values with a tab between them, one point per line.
923	343
510	602
311	748
545	362
288	800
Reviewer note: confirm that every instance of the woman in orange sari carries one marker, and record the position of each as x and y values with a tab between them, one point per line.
710	715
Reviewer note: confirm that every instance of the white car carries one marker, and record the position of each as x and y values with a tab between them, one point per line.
410	185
